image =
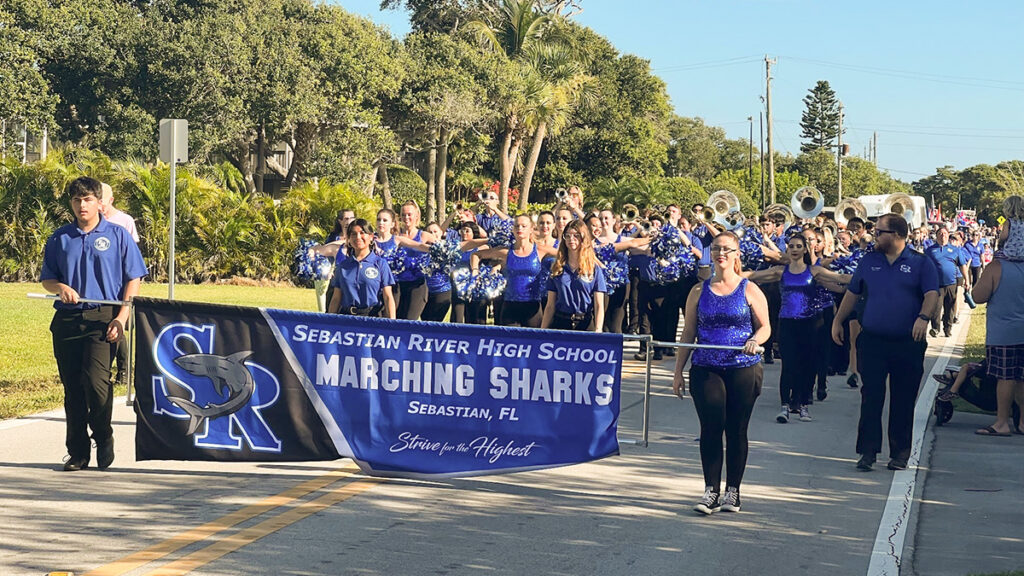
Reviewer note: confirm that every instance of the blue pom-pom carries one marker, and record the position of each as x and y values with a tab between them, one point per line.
540	285
668	270
395	258
462	281
500	235
667	244
307	267
616	274
443	256
751	253
488	284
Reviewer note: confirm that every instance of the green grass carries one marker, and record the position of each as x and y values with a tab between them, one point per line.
1014	573
28	372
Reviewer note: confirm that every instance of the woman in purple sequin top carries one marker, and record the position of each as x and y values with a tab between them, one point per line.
725	310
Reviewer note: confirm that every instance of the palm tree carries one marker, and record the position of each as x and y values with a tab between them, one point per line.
565	85
514	28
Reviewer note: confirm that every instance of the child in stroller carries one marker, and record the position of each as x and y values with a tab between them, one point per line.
971	383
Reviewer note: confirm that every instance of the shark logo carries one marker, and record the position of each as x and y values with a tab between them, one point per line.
225	372
222	397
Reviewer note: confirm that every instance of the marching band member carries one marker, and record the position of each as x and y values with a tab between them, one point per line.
439	287
899	289
799	325
723	310
473	311
948	260
363	278
615	308
650	297
575	285
412	287
490	214
521	303
678	290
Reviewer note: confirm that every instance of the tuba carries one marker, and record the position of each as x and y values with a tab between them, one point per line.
776	212
732	221
849	208
899	204
807	202
719	205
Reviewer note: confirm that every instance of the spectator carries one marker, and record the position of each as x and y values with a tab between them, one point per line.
1002	286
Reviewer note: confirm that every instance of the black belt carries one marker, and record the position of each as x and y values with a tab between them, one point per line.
356	311
572	317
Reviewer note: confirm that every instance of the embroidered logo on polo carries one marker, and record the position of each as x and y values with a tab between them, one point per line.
221	396
101	244
905	268
371	272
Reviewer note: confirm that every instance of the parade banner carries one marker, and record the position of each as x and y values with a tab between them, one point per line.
413	399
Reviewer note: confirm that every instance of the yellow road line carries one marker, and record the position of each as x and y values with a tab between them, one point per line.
171	545
233	542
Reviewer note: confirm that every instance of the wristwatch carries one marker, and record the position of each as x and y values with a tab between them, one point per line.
925	317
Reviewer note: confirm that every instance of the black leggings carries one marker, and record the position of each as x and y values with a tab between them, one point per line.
524	314
411	299
823	341
724	398
615	311
635	313
799	360
472	312
437	307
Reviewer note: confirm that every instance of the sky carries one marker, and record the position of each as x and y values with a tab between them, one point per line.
941	82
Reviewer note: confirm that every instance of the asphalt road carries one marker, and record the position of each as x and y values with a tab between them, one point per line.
806	510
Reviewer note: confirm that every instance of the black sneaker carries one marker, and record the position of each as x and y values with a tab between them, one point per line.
105	454
947	333
933	333
641	356
730	501
897	464
709	504
75	464
669	352
852	381
783	416
658	356
822	394
866	462
943	379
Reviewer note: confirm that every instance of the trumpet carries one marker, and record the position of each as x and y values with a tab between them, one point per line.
561	194
487	196
807	202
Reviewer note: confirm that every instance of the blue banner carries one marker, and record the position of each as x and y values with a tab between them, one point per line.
400	398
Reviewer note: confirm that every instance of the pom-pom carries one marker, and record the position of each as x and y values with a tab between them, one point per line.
666	244
668	270
488	284
311	266
462	281
540	285
751	253
395	258
443	256
500	235
616	275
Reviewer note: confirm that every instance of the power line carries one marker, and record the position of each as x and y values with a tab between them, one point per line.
1010	85
708	64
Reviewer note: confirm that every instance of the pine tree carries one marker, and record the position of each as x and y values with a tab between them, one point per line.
820	120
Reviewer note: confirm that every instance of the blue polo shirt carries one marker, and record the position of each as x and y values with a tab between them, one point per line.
575	294
361	281
947	259
488	222
974	252
97	264
704	236
892	294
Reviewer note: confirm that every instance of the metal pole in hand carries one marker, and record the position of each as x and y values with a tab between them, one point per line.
81	300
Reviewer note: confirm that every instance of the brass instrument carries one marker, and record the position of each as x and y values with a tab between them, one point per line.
561	194
732	221
630	213
807	202
776	212
899	204
831	226
719	205
487	196
848	209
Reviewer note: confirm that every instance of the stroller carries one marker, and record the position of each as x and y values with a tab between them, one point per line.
978	389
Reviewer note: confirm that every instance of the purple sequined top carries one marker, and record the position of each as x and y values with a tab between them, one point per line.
724	321
798	294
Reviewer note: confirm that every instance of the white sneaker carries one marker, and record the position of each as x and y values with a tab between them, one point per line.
783	416
730	501
805	414
709	503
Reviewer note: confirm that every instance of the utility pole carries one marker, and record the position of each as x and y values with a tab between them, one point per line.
768	116
760	129
839	153
874	148
750	154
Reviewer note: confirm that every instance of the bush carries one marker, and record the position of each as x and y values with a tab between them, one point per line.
406	185
220	231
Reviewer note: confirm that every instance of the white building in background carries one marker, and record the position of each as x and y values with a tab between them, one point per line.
16	140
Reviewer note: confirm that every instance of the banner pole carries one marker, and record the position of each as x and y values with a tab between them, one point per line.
647	390
130	399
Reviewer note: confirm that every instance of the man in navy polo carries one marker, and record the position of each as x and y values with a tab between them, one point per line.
948	259
91	259
492	214
898	288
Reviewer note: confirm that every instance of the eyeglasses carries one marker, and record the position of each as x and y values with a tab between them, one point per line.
880	231
575	235
722	250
